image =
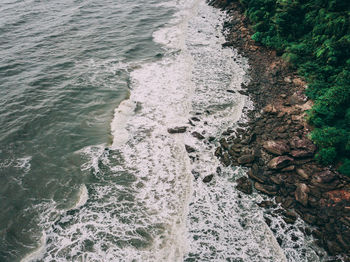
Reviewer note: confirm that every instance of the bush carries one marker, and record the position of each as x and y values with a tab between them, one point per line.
326	156
345	167
314	36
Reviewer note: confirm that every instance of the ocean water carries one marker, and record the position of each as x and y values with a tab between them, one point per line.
88	169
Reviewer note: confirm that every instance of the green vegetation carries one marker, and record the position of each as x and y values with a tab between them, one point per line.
314	36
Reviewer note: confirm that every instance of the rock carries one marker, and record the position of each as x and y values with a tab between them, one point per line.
324	177
304	144
301	194
301	153
224	144
280	162
195	174
333	247
189	149
176	130
218	152
289	217
208	178
266	204
246	159
195	119
270	109
276	147
255	174
244	185
340	195
197	135
302	174
269	190
288	169
226	159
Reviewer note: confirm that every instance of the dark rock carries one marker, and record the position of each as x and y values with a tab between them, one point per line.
218	152
333	247
266	204
276	147
198	135
231	91
280	162
211	139
244	185
246	159
256	174
269	190
176	130
190	149
195	174
224	144
208	178
195	119
288	202
226	159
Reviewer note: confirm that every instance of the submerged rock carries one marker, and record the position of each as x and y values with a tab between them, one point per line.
176	130
244	185
189	149
198	135
207	179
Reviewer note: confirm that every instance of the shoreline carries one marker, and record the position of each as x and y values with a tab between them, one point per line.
275	144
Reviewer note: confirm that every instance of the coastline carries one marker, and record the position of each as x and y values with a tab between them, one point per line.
275	145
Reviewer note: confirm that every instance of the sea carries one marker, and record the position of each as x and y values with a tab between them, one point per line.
88	170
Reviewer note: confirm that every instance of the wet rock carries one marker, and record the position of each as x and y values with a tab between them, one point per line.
244	185
280	162
276	147
301	194
246	159
211	139
267	189
266	204
333	247
195	174
226	159
289	217
255	174
198	135
176	130
224	144
208	178
189	149
195	119
218	152
309	218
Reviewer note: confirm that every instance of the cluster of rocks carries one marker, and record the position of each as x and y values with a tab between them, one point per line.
274	144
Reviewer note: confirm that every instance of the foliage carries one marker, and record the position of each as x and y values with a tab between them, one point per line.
314	36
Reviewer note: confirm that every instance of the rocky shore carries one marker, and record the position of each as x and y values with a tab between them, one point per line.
274	144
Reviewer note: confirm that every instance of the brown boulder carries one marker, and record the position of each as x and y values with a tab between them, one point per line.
301	194
276	147
244	185
269	190
304	144
302	174
226	159
246	159
280	162
301	153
